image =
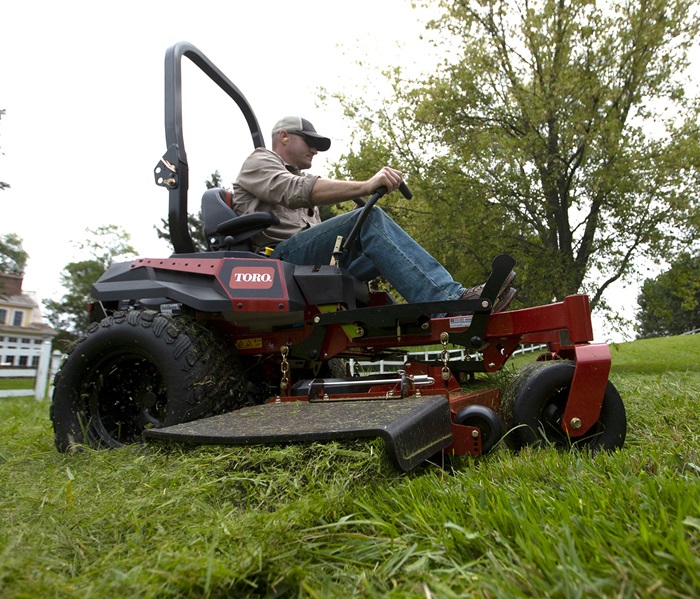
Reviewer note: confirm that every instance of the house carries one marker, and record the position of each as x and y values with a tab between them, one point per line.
25	340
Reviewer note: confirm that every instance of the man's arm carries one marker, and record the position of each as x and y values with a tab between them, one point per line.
330	191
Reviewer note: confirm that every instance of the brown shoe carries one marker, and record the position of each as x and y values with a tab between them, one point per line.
505	295
509	280
472	292
504	299
476	291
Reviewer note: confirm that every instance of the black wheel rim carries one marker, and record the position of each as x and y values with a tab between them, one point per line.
551	421
552	414
125	394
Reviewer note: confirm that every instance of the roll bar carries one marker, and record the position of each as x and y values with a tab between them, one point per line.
172	171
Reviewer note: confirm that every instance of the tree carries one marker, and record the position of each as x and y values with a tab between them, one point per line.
670	303
557	131
13	258
69	315
3	185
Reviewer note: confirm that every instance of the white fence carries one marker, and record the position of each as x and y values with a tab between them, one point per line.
382	366
48	365
48	368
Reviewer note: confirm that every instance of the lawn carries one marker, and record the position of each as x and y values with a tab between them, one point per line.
338	520
17	383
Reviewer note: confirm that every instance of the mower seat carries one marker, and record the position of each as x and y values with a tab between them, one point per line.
224	228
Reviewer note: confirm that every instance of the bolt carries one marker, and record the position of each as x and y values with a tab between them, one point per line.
475	434
575	423
317	319
484	304
359	331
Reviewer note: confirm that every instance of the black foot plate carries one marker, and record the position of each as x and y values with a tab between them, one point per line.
414	428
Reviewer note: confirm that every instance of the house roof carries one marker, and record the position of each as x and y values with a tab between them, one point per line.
26	300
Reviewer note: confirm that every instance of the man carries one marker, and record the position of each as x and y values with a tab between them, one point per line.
272	181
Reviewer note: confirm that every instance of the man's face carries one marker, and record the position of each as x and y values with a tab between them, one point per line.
299	152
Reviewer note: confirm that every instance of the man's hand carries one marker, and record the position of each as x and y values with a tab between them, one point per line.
387	177
330	191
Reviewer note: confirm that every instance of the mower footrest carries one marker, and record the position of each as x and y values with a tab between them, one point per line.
414	428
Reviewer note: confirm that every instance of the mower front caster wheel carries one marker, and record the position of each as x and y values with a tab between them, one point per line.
486	420
534	402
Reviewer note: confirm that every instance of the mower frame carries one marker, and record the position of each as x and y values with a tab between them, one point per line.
293	320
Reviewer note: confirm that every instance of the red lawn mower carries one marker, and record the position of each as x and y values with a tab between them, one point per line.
227	346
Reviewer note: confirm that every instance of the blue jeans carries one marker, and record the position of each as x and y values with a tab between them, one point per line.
382	248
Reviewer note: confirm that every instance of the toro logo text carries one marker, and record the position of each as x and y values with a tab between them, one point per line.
252	277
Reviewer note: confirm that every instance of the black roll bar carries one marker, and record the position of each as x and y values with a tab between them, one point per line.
172	171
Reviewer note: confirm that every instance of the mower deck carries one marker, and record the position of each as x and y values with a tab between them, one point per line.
414	428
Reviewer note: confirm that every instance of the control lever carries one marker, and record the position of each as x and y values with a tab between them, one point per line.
378	193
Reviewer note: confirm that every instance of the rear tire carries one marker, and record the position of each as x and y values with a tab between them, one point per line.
137	370
534	403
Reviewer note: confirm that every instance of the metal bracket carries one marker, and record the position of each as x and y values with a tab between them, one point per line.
165	172
408	385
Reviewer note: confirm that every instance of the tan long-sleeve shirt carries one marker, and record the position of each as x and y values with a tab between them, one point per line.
267	184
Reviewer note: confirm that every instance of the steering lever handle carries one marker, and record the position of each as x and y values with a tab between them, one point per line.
405	191
403	188
378	193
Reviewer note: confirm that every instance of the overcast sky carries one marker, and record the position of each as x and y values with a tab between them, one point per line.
82	86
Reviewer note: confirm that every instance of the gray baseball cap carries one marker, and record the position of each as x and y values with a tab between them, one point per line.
296	124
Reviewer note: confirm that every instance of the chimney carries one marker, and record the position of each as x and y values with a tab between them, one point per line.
11	284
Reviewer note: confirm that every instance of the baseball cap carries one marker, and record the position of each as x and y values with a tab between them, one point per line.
296	124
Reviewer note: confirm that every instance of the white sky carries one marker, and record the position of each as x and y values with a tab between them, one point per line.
82	86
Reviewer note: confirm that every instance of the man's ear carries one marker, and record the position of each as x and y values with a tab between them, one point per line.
279	138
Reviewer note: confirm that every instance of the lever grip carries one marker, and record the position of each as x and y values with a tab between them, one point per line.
403	188
405	191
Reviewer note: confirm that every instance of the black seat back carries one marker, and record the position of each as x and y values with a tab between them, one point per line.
224	229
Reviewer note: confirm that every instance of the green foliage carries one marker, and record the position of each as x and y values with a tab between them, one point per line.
559	132
69	315
194	226
336	520
670	303
13	258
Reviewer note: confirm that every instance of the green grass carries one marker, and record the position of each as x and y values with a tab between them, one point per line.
337	520
657	356
16	383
